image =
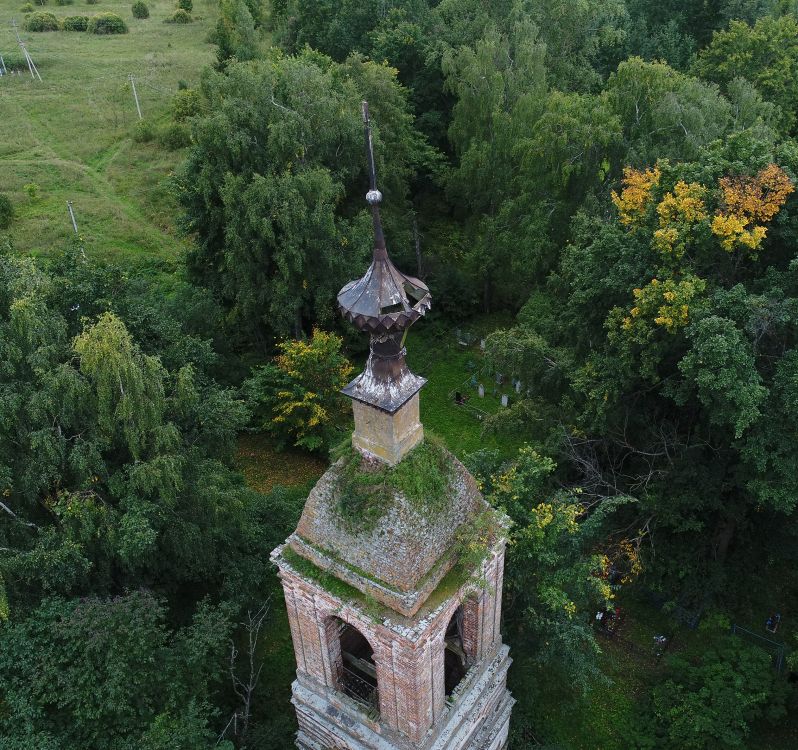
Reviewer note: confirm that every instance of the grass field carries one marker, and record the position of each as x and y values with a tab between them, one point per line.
71	134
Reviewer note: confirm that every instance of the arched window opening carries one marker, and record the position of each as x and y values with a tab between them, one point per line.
454	655
357	672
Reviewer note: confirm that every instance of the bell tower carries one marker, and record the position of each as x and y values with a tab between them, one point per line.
393	577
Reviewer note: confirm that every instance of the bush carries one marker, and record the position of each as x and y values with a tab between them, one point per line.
186	5
144	132
6	211
41	20
296	398
107	23
713	699
27	8
64	2
185	104
92	2
32	190
140	10
174	137
179	16
76	23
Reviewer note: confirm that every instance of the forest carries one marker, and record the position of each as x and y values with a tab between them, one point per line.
601	197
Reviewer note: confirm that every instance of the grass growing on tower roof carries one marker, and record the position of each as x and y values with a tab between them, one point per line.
366	487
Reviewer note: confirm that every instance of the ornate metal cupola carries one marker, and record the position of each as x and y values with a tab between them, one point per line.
384	303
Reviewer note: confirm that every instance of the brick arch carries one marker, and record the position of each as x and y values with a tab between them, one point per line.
352	659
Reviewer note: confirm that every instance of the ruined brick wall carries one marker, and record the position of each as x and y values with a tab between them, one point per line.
408	653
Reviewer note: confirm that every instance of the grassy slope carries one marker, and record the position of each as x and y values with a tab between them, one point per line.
71	134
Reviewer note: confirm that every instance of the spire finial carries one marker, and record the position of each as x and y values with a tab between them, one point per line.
373	196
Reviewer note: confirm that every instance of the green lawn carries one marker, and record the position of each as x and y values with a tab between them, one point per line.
435	352
71	134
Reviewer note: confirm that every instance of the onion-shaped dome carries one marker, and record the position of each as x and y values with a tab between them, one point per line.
385	300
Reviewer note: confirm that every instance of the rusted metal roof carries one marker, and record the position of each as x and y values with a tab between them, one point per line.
385	299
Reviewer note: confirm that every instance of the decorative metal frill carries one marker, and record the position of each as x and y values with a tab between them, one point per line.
384	303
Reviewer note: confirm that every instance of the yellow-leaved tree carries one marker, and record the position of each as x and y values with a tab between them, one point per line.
296	397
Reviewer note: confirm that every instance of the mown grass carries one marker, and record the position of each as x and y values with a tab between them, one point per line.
71	134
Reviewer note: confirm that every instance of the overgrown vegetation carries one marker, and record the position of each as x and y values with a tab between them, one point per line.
42	20
6	211
75	23
140	10
613	180
107	23
365	487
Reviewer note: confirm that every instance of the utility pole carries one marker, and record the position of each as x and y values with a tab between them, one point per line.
72	216
34	73
3	69
135	95
417	241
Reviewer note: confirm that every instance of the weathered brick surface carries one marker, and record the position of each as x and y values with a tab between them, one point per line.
409	659
408	644
406	544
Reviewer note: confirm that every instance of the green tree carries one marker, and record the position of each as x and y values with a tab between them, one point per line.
499	85
235	33
711	702
584	41
297	398
108	673
551	587
665	339
766	54
273	186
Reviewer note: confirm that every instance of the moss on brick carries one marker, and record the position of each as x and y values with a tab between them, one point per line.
366	486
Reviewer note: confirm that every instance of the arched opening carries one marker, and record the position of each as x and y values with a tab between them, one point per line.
454	655
356	672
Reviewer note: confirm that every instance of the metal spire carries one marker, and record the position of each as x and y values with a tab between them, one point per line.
373	196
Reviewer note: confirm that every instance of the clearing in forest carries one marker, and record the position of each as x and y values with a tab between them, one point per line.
70	136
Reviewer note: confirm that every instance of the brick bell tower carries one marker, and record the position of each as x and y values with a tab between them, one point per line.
395	628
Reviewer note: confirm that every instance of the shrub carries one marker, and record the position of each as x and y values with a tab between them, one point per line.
712	700
296	397
182	85
185	104
32	190
107	23
76	23
143	132
64	2
27	8
41	20
140	9
174	137
92	2
6	211
186	5
179	16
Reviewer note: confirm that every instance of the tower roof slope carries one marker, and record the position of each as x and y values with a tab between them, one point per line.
406	548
